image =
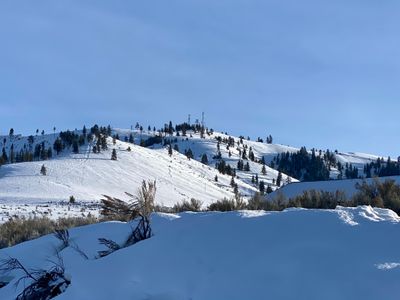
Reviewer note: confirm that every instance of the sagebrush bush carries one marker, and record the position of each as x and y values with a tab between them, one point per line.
228	204
192	205
18	230
380	194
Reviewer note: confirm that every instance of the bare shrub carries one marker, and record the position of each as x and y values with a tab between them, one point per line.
141	206
43	284
192	205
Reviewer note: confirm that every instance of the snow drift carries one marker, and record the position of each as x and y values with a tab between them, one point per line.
346	253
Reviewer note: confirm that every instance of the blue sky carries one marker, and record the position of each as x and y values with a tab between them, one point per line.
319	73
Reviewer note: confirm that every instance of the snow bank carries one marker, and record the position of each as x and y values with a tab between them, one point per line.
294	254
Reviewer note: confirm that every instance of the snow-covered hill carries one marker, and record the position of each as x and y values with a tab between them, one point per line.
87	175
346	253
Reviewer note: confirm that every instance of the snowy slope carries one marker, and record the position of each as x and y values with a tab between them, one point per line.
208	146
87	178
347	253
347	186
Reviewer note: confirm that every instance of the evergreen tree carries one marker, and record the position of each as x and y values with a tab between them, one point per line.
114	155
43	170
4	156
57	146
204	159
269	189
262	187
251	154
279	179
75	147
12	154
232	181
263	170
189	154
131	138
216	178
49	153
170	150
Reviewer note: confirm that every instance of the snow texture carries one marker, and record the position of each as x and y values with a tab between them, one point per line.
294	254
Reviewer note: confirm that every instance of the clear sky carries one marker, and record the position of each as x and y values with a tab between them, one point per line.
318	73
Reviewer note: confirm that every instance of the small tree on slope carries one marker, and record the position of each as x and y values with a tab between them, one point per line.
43	170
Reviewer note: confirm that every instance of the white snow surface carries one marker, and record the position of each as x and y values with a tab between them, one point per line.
294	254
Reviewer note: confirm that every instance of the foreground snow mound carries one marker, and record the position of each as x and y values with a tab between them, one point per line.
294	254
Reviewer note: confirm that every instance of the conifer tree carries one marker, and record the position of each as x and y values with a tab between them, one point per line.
204	159
75	147
189	154
263	170
4	156
279	179
57	145
269	189
170	150
12	154
262	187
131	138
114	155
43	170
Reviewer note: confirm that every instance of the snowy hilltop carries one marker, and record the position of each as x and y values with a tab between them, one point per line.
187	161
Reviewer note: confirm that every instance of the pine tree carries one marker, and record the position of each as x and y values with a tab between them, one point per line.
232	181
204	159
189	153
57	145
12	154
43	170
262	187
114	155
251	154
170	150
75	147
279	179
216	178
263	170
131	138
269	189
4	156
